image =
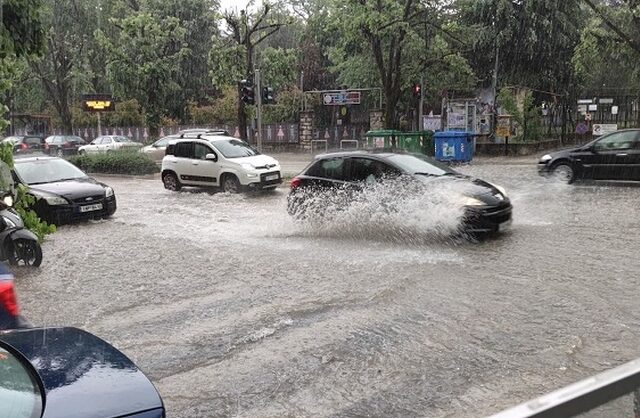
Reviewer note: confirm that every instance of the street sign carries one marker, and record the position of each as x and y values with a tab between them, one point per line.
585	101
605	101
593	108
98	103
582	128
341	98
604	128
587	116
614	110
503	129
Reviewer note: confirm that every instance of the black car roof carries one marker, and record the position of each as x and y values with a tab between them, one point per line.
378	152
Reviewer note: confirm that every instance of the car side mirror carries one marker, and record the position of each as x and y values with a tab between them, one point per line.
211	157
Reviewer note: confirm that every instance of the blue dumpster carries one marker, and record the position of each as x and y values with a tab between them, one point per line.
454	146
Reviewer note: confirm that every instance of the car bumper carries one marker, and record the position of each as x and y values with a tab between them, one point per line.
264	181
491	219
544	169
65	214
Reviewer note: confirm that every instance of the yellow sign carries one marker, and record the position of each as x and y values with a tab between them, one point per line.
503	127
98	104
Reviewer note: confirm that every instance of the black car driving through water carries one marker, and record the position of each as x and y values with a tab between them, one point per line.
485	207
63	192
615	156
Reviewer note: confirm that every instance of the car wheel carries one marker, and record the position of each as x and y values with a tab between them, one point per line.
82	152
26	252
60	153
171	182
564	173
230	184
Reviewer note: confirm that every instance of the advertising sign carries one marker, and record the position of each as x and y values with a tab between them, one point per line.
604	128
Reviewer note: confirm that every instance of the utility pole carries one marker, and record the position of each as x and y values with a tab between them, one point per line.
494	86
258	84
421	106
99	127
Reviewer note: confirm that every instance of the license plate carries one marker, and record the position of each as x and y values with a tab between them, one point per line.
272	177
504	226
91	208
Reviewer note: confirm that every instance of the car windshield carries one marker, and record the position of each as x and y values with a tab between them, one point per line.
47	171
121	139
75	139
420	164
234	148
19	390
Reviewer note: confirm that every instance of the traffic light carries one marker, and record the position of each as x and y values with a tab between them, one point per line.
417	91
247	93
267	95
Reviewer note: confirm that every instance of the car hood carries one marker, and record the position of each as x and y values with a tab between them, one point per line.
469	186
70	189
257	161
82	375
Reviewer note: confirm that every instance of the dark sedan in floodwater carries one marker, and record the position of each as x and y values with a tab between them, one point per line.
63	192
615	156
70	373
485	207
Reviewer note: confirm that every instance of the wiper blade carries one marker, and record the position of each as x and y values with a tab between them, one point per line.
426	174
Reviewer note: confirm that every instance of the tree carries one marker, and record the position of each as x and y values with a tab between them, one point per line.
145	60
232	57
622	17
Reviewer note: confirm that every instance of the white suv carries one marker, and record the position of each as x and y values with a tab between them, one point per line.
219	161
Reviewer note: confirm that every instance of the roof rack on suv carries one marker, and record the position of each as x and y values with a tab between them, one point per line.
203	132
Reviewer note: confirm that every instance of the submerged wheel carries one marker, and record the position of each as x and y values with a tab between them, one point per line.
564	172
171	182
26	252
230	184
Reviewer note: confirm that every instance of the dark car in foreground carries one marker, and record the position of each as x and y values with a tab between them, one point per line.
68	372
486	208
61	145
25	143
615	156
63	192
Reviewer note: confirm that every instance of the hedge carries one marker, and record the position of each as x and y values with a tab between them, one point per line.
124	162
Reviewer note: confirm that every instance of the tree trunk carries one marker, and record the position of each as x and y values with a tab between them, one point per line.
242	116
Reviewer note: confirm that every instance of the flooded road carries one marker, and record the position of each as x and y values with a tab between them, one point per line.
233	309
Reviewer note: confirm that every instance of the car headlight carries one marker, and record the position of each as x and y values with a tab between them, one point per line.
8	200
108	192
500	189
472	201
248	166
545	158
56	200
252	175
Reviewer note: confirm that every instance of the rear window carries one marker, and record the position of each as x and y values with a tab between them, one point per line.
19	390
331	168
33	140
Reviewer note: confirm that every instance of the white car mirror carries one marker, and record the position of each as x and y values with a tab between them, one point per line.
211	157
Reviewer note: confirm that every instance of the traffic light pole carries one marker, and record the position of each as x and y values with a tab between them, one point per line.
258	96
421	106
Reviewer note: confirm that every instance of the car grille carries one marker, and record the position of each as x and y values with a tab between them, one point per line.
88	199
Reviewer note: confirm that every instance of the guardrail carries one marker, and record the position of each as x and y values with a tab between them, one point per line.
349	141
584	395
320	141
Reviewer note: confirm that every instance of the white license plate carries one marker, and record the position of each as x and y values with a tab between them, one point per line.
91	208
505	226
272	177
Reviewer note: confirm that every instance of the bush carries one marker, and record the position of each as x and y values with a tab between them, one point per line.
123	162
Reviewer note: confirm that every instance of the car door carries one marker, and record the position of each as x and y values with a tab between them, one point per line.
183	161
634	159
327	173
203	172
92	148
611	157
107	144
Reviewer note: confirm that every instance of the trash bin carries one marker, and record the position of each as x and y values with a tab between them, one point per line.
418	142
454	146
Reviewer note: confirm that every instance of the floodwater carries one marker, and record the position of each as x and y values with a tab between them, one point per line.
233	309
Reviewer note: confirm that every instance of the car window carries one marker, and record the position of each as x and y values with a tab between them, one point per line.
163	142
74	139
32	140
617	141
366	169
47	171
96	141
235	148
106	140
50	139
330	168
420	164
121	139
200	151
183	150
19	389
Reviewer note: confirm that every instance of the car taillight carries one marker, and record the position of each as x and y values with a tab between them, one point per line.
24	146
295	182
8	298
46	145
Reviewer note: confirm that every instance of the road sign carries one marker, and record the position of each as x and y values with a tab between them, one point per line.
582	128
98	103
604	128
341	98
587	116
503	129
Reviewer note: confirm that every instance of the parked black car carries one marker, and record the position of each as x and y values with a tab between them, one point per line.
487	209
63	192
68	372
61	145
25	143
615	156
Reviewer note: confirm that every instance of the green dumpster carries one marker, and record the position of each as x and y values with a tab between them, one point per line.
419	142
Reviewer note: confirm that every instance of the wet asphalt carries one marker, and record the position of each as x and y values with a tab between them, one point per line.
233	309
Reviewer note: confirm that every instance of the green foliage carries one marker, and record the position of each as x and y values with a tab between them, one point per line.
25	201
123	162
288	103
32	222
525	114
278	67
